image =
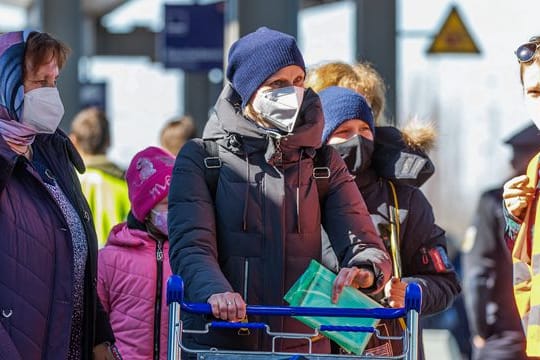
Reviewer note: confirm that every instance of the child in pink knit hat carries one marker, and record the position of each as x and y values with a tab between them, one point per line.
134	265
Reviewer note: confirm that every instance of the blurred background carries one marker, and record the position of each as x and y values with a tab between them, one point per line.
147	61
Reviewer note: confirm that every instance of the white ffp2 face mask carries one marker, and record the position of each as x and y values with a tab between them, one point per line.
42	110
280	107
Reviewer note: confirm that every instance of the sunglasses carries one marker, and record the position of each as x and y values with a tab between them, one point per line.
525	52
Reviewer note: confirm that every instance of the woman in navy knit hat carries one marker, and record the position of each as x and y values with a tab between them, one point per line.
250	223
421	244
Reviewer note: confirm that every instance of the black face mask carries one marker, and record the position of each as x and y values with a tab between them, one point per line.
357	153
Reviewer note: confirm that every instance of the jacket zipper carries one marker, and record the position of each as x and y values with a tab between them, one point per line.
245	331
425	258
278	155
157	304
246	275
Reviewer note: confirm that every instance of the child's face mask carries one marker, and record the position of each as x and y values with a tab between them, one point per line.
158	218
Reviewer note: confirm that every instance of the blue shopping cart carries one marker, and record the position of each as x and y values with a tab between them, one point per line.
175	301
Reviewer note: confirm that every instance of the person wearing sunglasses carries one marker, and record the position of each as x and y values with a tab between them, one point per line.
522	209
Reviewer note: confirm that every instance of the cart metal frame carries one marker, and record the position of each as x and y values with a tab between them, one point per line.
175	301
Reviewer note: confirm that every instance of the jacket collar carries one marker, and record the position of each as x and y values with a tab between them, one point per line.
366	178
232	130
8	161
59	141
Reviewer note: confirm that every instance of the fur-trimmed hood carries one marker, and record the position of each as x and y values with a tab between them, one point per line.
401	154
418	135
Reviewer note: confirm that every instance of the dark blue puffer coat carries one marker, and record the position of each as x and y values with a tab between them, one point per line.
263	228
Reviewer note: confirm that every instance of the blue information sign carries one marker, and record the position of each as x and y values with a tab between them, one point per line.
93	94
192	37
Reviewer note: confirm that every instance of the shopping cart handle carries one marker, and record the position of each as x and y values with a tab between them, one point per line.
368	329
175	289
377	313
238	325
413	301
413	297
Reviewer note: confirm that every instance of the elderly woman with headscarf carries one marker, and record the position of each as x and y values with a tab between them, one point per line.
48	250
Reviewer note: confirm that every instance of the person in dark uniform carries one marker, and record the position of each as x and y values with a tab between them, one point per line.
493	317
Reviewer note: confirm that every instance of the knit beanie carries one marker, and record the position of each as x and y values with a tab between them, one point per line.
258	55
148	179
341	104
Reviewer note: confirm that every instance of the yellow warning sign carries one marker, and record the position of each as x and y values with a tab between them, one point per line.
453	37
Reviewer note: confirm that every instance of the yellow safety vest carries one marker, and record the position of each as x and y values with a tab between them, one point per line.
108	198
526	261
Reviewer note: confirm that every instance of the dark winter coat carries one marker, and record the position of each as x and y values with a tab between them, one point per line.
422	242
419	237
36	259
492	311
266	225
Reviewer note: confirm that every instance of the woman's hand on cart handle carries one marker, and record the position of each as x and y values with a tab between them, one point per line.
357	277
394	292
228	306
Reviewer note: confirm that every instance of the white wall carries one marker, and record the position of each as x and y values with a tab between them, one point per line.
141	97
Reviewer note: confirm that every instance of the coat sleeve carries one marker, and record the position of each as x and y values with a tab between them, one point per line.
104	332
511	229
192	229
7	348
103	283
348	224
426	253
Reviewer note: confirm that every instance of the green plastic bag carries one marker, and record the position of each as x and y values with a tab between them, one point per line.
314	289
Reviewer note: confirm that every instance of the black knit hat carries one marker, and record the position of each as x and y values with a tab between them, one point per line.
340	104
257	56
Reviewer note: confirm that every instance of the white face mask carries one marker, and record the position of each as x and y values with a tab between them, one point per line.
159	220
42	109
280	107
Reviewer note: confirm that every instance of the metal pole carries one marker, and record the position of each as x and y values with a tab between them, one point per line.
376	43
63	19
394	243
412	326
279	15
393	212
173	346
197	102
